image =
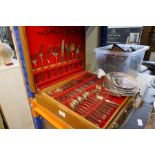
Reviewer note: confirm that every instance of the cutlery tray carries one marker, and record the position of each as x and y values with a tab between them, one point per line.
90	106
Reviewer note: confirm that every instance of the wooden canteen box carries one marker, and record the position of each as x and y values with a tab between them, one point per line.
55	63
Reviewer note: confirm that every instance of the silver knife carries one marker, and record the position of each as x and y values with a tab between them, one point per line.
68	54
62	54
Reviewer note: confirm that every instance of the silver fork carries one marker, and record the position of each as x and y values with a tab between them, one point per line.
34	61
72	50
55	54
77	51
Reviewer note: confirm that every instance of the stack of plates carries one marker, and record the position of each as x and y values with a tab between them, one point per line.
120	84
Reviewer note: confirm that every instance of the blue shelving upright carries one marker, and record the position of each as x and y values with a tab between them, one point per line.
38	123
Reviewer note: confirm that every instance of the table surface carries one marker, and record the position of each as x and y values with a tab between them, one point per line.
144	112
13	97
3	67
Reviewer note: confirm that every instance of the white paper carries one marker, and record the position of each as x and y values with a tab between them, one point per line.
62	113
140	122
100	73
154	104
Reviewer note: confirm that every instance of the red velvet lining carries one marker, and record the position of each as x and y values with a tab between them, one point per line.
53	35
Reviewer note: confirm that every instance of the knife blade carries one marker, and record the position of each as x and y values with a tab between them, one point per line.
62	53
68	54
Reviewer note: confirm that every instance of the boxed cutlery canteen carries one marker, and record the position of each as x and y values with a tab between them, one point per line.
66	94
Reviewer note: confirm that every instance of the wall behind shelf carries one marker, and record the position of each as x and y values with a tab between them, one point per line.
92	41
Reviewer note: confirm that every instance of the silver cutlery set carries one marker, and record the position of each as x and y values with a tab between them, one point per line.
56	61
86	96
